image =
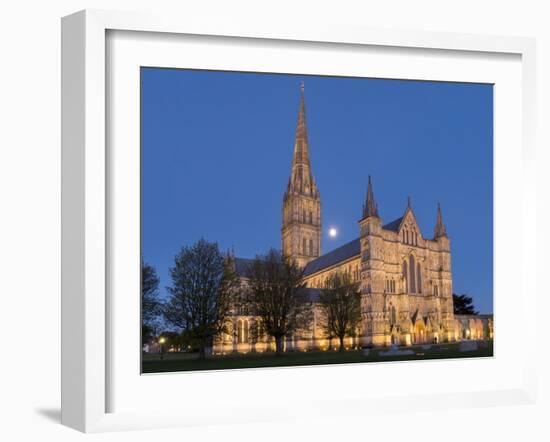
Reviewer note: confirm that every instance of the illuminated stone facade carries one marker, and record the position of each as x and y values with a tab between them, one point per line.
405	278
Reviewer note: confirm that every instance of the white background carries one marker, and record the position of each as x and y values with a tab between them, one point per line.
30	216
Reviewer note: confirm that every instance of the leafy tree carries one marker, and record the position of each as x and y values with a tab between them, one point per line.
275	296
463	305
340	303
203	286
151	306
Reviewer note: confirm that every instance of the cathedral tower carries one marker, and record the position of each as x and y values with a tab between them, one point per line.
372	273
444	279
301	231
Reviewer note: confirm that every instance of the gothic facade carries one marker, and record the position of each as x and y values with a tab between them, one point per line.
404	277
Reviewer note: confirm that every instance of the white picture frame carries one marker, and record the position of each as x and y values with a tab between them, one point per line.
86	205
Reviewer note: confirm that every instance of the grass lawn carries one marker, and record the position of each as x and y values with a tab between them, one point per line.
189	361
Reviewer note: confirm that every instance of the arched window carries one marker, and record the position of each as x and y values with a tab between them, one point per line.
245	330
393	316
419	278
406	236
412	273
239	331
311	246
310	217
242	331
304	246
405	276
415	238
403	236
304	215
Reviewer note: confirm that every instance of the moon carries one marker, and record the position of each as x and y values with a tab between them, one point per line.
332	232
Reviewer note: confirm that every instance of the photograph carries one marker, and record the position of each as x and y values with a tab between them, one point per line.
301	220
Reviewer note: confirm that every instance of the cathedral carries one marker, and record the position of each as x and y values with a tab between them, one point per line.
404	277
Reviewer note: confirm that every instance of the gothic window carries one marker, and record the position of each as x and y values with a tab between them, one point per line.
412	273
403	236
311	246
393	315
415	238
406	236
304	215
239	331
419	279
405	276
245	330
310	217
304	246
436	291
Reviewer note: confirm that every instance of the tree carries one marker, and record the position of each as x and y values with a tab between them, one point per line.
463	305
151	305
203	286
275	296
340	303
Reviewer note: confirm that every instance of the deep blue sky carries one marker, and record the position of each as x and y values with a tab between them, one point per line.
217	149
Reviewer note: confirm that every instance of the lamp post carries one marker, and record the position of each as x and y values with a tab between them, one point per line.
161	341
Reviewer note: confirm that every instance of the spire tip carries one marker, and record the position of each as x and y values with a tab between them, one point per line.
370	208
440	230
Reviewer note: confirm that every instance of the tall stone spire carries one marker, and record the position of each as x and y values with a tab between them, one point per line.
301	229
301	179
370	208
440	230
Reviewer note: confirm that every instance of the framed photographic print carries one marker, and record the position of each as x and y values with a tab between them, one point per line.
383	290
255	208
